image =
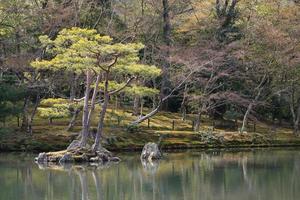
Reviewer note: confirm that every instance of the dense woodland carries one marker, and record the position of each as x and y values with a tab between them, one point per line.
230	60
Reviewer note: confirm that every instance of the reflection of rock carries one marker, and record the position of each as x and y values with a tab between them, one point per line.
72	166
150	167
151	152
114	159
77	155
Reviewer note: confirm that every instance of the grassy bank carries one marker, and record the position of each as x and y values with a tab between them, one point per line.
177	134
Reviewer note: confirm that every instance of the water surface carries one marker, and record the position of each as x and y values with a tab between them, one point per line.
257	174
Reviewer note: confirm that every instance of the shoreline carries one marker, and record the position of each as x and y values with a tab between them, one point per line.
169	148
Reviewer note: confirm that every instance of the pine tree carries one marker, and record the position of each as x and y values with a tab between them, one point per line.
98	57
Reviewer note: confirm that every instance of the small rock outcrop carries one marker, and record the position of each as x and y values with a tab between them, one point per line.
42	157
77	155
151	152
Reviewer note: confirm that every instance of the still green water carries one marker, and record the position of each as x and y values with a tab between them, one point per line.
258	174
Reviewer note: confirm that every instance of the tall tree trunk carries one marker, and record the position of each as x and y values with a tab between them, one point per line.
136	106
167	41
142	106
75	113
296	117
245	119
116	103
25	114
250	106
73	86
167	23
93	101
198	121
183	103
30	120
85	131
73	119
198	118
102	115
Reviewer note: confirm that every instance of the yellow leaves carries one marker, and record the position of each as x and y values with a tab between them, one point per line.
103	39
52	112
4	32
112	85
54	108
78	49
141	91
148	71
76	33
38	64
120	49
45	40
51	101
130	90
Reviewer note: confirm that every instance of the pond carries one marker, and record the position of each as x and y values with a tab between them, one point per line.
246	174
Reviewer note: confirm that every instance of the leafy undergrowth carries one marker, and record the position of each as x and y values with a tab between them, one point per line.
117	136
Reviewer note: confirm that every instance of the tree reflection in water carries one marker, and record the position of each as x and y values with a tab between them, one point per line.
264	174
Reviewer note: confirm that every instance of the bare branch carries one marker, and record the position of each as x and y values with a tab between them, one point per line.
121	88
154	111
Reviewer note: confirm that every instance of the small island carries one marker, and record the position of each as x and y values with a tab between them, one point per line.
144	99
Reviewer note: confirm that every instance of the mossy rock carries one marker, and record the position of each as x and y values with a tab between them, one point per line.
79	155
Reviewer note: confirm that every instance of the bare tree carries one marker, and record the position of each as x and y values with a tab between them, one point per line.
253	102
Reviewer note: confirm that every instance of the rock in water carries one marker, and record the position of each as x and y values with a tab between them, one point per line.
151	152
42	158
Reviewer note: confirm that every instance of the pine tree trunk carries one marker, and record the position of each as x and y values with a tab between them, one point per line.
73	119
116	103
30	121
101	123
136	106
102	116
85	131
142	105
73	86
153	102
198	121
25	115
93	102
